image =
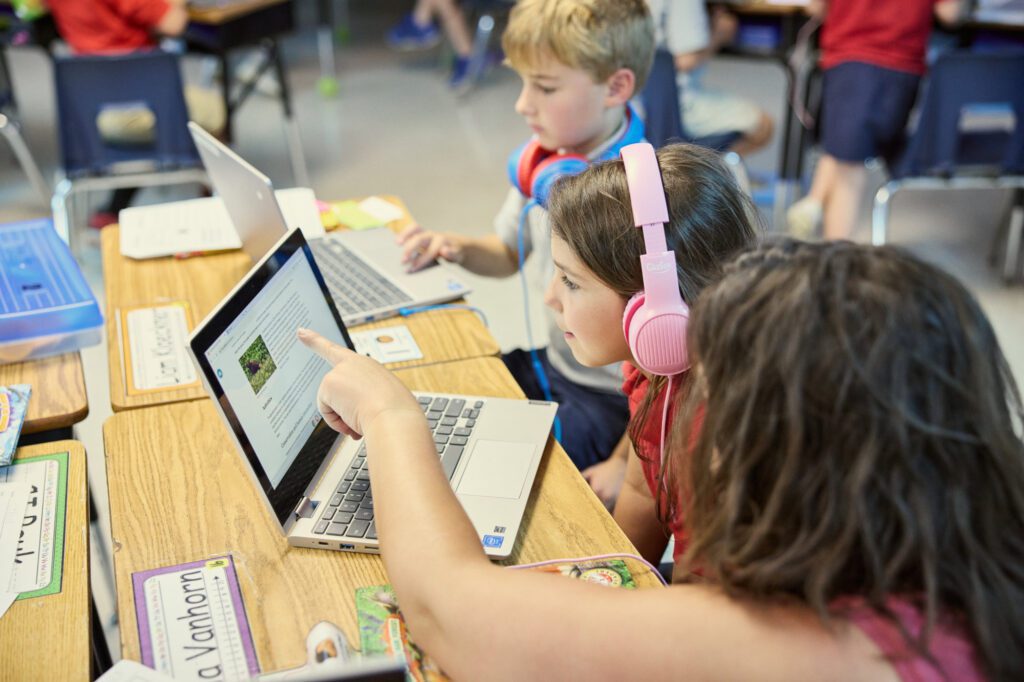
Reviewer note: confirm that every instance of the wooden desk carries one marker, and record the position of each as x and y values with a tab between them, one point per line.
179	493
223	13
442	335
47	638
58	397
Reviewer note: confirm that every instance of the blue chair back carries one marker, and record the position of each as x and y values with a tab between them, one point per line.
85	84
971	117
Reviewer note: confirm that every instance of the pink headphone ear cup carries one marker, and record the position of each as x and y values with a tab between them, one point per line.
657	339
634	304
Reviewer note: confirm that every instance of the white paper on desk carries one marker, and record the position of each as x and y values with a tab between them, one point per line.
6	599
387	344
37	551
132	671
13	501
198	225
381	209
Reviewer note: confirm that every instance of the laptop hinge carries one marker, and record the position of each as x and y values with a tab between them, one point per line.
304	509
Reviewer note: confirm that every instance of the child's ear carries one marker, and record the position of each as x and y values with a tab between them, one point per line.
620	87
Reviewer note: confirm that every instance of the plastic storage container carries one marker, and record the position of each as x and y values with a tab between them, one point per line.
46	306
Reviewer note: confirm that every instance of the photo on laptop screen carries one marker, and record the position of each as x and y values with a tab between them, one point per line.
316	483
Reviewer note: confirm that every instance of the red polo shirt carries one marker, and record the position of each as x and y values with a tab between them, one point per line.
107	26
892	34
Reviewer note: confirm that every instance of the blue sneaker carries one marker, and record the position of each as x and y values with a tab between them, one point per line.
460	73
408	35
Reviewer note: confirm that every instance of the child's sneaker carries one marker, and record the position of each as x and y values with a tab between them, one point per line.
460	77
408	35
804	218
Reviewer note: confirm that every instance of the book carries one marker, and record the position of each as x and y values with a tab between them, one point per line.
382	629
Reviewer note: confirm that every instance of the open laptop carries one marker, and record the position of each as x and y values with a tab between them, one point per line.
363	268
316	483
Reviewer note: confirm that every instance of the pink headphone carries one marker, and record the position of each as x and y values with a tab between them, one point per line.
655	319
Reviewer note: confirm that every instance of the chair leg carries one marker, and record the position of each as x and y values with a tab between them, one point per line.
880	213
1014	242
11	131
482	38
298	157
739	170
61	214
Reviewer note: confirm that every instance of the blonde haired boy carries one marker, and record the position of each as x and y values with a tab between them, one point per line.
580	62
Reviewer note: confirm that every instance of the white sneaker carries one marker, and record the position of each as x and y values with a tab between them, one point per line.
804	218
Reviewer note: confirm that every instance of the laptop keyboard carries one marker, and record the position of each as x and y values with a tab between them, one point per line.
349	512
354	285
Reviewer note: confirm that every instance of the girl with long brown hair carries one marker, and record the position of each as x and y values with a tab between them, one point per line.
597	249
853	495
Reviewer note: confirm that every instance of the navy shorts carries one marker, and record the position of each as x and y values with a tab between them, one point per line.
592	421
864	111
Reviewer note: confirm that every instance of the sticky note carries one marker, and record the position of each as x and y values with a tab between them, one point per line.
350	215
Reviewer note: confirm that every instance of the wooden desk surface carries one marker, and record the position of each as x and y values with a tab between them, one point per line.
762	7
162	514
58	397
47	638
225	13
442	335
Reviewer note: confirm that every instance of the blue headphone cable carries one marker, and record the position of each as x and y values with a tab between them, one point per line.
538	368
405	312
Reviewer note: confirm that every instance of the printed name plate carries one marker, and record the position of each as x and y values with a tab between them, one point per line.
154	339
192	622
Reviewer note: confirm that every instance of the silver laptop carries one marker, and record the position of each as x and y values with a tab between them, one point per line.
363	268
315	481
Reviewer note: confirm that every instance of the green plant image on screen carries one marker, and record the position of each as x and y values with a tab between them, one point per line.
257	364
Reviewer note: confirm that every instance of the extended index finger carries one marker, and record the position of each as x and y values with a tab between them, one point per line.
331	352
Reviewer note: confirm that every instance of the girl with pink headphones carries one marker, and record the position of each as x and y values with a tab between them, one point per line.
633	241
854	494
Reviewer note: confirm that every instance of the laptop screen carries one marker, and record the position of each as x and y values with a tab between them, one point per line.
264	379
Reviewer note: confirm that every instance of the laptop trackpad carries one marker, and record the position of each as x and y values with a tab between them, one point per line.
497	469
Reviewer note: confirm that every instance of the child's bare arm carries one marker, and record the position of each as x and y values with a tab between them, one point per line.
606	477
636	512
488	255
951	12
723	25
174	20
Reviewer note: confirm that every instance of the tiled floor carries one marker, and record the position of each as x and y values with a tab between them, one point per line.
394	128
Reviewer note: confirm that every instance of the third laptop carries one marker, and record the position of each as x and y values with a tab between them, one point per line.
363	268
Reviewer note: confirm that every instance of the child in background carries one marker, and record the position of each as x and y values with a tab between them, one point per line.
683	28
873	57
854	496
417	31
101	27
580	61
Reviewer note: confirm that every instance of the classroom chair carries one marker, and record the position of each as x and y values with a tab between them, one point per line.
10	128
87	85
969	135
486	11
